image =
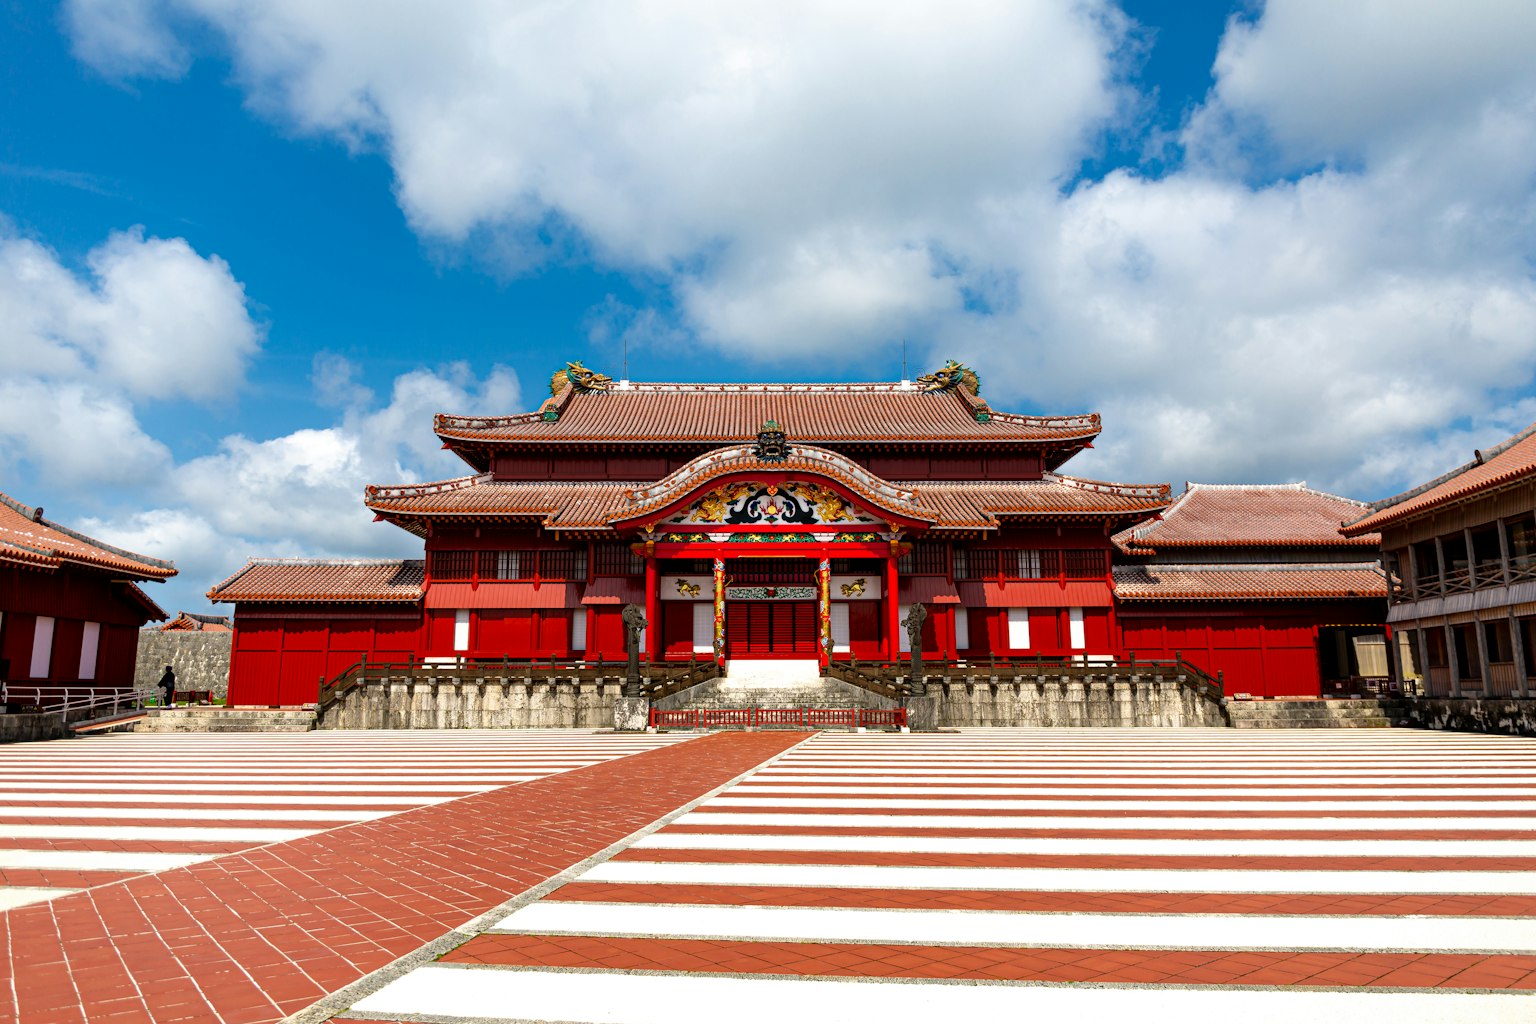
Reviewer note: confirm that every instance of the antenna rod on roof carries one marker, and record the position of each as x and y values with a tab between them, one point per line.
626	355
904	359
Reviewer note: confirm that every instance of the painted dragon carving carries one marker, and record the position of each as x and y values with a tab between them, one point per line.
578	376
830	507
953	375
855	588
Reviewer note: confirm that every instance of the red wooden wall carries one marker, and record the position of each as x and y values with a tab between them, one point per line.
280	653
72	598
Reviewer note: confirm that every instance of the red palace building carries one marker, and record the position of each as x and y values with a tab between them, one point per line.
70	608
750	521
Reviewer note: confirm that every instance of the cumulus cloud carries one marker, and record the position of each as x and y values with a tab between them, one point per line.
149	319
300	494
1336	275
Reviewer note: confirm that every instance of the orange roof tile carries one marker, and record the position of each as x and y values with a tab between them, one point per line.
813	413
323	579
584	505
1513	460
1247	515
27	538
191	622
1263	582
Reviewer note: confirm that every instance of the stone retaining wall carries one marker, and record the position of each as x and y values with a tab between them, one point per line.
1506	716
485	703
19	728
1132	699
201	660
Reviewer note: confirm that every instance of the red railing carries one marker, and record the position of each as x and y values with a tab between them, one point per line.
717	718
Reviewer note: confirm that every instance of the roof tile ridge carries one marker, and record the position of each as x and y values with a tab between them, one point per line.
457	483
1090	420
1481	457
337	562
31	512
764	387
443	420
1112	486
1256	566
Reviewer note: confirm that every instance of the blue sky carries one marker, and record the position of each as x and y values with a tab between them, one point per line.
247	249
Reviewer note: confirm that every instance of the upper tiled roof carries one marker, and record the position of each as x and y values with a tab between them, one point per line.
1503	464
323	579
579	505
29	539
813	413
1247	515
1265	582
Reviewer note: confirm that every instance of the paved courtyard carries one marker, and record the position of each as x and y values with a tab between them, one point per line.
1190	875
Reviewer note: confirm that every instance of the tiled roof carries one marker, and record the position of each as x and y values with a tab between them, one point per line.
191	622
813	413
984	503
1248	515
1513	460
581	505
1268	582
323	579
29	539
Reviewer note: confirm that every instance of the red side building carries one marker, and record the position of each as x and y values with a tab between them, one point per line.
751	521
1256	582
70	608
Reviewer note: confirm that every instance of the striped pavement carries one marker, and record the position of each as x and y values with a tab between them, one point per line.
84	812
1189	875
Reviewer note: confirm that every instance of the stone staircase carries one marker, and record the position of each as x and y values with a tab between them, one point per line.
217	719
773	684
1356	713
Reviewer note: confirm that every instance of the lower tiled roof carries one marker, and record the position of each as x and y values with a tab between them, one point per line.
1256	582
591	505
1248	515
324	579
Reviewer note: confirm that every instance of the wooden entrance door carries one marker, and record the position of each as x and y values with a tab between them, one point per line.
770	629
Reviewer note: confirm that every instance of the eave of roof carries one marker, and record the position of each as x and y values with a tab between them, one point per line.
1491	469
1251	516
29	539
1279	581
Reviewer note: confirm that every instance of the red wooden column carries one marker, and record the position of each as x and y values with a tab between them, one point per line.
892	610
652	608
824	611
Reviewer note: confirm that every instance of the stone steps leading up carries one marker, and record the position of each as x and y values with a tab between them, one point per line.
815	693
1363	713
215	719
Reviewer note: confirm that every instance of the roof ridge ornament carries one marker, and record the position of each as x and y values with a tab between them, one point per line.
952	375
575	375
772	443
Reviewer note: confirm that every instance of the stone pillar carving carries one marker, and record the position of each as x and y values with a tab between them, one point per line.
917	684
634	628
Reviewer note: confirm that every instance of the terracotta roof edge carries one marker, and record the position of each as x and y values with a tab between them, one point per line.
30	512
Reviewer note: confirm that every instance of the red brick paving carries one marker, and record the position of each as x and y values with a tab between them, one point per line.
1005	963
1368	904
255	936
58	878
1068	833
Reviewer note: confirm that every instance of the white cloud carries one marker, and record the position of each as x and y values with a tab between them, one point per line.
301	494
1339	276
151	320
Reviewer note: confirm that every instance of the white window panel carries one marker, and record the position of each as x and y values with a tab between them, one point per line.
89	643
962	627
1029	565
704	627
842	641
508	565
1018	628
42	647
1075	631
461	629
579	629
901	626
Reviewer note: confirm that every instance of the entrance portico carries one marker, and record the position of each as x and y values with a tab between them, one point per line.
800	545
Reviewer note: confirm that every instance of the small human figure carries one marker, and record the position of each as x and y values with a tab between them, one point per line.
168	684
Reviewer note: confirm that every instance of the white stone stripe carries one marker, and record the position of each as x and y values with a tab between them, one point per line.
1063	803
319	798
1065	879
1019	788
338	815
980	928
154	833
1438	823
490	994
965	845
98	860
22	895
1099	771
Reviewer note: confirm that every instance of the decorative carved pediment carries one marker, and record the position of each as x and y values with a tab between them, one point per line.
792	503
